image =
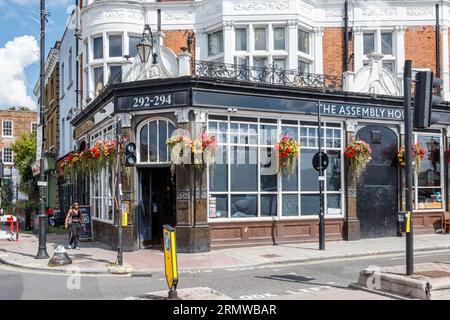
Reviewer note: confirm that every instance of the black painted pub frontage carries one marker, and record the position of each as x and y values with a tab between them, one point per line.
231	203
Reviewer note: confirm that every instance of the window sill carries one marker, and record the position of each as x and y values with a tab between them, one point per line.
8	137
103	220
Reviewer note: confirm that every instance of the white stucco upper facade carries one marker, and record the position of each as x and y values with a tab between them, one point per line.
255	33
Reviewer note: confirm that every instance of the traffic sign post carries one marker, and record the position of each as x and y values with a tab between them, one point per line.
170	260
320	163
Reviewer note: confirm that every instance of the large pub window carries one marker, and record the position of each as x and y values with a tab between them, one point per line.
241	184
429	182
102	186
152	141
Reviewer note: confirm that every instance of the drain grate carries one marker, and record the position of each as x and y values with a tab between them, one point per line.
270	256
434	273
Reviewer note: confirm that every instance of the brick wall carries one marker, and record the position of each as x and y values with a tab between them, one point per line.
420	46
333	51
176	39
21	124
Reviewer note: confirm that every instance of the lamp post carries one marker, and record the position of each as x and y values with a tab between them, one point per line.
42	252
145	46
119	193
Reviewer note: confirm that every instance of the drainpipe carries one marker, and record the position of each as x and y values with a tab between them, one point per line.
77	63
438	45
346	36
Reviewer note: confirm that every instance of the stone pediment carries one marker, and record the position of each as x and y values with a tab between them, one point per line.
373	79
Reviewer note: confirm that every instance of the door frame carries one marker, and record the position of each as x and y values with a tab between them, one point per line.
140	201
396	128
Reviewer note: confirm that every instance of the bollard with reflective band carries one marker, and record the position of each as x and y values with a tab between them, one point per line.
170	260
408	222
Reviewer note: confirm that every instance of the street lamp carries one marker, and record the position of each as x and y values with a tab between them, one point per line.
42	251
145	46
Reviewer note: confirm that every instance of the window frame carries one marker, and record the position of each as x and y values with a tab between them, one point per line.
391	58
102	46
3	155
113	34
266	47
105	133
285	45
138	141
416	187
222	46
3	129
308	32
247	42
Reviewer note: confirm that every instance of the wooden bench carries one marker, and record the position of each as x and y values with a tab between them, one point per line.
446	222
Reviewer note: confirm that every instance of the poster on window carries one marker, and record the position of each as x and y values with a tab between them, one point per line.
212	207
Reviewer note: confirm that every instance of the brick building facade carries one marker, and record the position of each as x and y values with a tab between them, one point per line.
14	123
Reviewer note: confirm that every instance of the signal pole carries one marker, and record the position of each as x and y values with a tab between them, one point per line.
409	165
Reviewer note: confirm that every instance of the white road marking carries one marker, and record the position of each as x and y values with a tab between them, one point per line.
287	292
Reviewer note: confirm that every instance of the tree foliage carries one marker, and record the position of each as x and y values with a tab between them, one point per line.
7	195
24	155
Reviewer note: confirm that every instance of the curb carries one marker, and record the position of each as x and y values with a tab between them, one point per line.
150	273
357	286
93	272
348	256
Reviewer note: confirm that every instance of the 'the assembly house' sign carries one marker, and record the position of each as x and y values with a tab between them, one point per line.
361	111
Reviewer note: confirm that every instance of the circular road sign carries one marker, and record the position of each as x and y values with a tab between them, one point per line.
316	162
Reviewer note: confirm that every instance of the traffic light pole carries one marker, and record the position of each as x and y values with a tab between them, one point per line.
407	75
321	187
119	194
42	251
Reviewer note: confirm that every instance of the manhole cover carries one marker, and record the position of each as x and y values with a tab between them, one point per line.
434	273
270	256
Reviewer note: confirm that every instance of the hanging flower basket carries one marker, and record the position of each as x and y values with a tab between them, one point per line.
359	154
184	150
288	150
418	154
89	161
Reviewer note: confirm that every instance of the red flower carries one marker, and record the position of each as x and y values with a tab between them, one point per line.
283	154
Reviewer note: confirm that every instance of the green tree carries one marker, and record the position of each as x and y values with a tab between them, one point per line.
7	195
24	155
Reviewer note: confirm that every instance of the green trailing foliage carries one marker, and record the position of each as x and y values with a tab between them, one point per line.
24	155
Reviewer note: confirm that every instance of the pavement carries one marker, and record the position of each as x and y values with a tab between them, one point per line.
430	281
97	258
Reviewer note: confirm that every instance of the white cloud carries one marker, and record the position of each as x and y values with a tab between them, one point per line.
15	57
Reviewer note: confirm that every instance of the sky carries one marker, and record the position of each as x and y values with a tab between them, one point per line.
19	46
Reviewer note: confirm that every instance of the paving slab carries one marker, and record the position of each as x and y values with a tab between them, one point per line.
199	293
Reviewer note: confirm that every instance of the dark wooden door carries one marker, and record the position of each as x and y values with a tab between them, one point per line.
377	189
162	202
144	209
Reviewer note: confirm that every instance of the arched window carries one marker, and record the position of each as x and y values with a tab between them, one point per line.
152	141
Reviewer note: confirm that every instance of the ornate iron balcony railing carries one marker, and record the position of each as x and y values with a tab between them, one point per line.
271	74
